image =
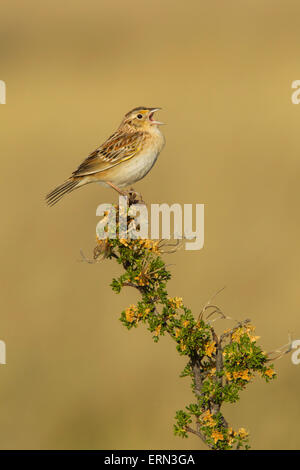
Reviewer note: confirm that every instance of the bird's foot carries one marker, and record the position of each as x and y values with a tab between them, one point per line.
135	197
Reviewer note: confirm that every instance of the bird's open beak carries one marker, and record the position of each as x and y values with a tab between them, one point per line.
152	121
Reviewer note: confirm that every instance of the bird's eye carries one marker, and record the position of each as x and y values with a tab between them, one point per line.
139	116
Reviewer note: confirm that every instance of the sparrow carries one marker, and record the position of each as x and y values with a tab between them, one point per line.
124	158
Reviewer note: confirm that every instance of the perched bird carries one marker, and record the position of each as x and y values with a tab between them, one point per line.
126	156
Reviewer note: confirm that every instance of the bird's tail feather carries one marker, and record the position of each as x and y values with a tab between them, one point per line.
65	188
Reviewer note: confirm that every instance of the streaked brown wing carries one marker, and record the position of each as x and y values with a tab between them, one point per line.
118	148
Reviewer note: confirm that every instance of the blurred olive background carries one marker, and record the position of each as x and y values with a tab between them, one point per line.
222	72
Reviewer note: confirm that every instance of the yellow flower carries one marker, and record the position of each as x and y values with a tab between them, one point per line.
182	346
236	336
157	330
210	348
175	302
242	374
243	433
130	313
186	323
206	415
253	338
208	419
155	248
270	373
177	332
140	280
217	436
248	330
150	245
228	375
245	375
230	441
138	317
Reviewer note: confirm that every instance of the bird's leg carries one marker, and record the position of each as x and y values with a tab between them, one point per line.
132	194
123	193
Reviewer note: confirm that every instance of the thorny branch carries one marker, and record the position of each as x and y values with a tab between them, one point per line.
220	366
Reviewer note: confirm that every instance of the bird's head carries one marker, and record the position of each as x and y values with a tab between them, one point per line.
141	118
